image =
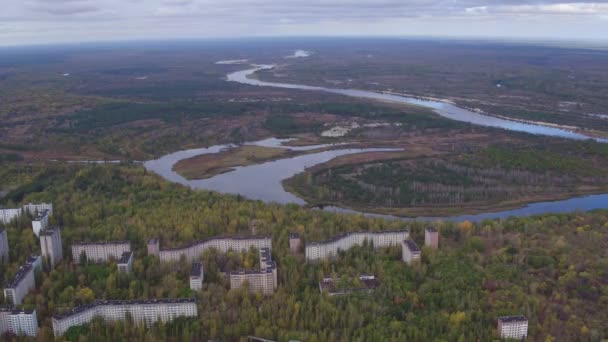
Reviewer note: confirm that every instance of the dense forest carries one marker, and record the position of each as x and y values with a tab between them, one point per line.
552	268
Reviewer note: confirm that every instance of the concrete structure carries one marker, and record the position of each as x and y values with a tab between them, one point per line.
515	327
50	244
18	322
327	249
263	280
197	276
33	209
153	247
295	242
98	252
125	263
410	251
3	246
8	215
431	237
333	287
142	312
41	221
24	281
194	251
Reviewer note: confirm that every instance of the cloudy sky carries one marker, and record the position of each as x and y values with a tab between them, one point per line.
24	22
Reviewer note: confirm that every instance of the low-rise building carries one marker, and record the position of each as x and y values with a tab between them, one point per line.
515	327
7	215
98	252
194	251
410	251
141	311
3	246
125	263
330	248
295	243
23	282
18	322
431	237
196	276
33	209
264	280
51	246
41	221
334	287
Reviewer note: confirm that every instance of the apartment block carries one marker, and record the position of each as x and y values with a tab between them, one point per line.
295	243
410	251
24	281
515	327
125	263
33	209
328	249
9	214
431	237
18	322
51	246
194	251
334	287
263	280
41	221
142	311
3	246
196	276
153	247
98	252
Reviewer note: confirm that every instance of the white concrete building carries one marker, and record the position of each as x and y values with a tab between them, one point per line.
263	280
33	209
24	281
3	245
125	264
98	252
41	221
194	251
18	322
328	249
196	276
51	246
410	251
515	327
9	214
142	311
431	237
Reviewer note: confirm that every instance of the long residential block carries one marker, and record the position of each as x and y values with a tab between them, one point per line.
24	281
194	251
141	311
328	249
18	322
3	246
99	252
9	214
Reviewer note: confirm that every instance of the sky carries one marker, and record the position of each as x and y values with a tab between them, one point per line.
27	22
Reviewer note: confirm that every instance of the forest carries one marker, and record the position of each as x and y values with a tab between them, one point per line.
551	268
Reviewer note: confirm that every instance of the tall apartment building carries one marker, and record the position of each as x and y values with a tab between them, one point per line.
328	249
142	311
125	263
153	247
3	246
295	242
18	322
41	221
32	208
9	214
410	251
515	327
194	251
196	276
98	252
24	281
431	237
50	244
263	280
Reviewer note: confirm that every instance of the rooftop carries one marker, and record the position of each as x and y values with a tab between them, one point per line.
49	231
23	271
42	214
125	257
513	319
196	269
331	285
153	241
81	243
294	236
83	308
13	311
411	245
343	235
431	229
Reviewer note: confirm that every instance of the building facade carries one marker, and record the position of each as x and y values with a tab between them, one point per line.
18	322
196	276
141	311
9	214
295	243
41	221
24	281
3	246
515	327
333	287
98	252
264	280
410	251
50	244
33	209
125	263
431	237
194	251
153	247
328	249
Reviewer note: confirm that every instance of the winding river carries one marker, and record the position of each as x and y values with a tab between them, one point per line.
264	181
